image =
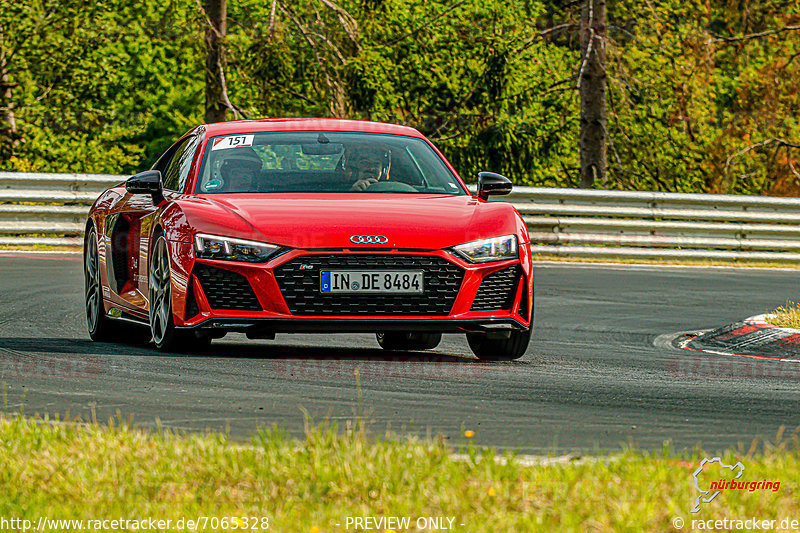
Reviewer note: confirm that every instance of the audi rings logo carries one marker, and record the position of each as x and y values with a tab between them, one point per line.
368	239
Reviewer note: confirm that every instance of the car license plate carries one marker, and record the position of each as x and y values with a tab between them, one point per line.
358	281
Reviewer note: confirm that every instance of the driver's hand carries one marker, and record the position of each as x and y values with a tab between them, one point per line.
362	185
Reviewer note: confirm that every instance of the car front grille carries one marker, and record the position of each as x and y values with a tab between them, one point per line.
299	281
226	290
497	290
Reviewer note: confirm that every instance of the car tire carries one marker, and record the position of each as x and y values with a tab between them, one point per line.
99	325
101	328
162	326
509	348
165	335
408	340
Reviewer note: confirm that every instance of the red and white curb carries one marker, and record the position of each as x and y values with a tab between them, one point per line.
753	337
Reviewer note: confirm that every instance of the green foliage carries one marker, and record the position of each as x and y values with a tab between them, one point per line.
99	86
684	102
477	80
105	86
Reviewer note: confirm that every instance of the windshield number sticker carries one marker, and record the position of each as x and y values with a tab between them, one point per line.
237	141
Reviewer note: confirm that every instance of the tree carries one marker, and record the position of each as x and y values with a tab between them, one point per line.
499	98
217	102
592	88
700	96
41	43
97	86
8	122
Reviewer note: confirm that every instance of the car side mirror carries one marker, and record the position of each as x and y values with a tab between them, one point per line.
147	182
490	183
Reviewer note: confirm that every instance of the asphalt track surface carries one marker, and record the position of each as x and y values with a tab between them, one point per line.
593	379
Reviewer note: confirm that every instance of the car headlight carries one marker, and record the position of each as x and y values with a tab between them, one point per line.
230	249
487	250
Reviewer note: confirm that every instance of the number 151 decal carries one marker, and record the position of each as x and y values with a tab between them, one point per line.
237	141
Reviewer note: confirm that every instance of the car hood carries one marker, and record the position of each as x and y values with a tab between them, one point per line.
409	221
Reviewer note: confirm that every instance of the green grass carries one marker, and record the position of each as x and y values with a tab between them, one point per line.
91	471
786	317
39	247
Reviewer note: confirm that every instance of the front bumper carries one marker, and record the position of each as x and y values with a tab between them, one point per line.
271	307
359	325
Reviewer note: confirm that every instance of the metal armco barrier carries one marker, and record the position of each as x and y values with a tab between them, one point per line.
50	209
615	224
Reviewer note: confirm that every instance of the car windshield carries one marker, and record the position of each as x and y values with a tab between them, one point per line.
323	162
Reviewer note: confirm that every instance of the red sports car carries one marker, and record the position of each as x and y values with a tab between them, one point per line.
309	225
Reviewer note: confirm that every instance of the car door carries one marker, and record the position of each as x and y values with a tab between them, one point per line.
129	225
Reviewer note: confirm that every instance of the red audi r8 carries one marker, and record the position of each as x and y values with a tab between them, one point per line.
309	225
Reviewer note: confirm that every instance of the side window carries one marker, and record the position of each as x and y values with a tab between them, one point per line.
185	160
163	161
171	174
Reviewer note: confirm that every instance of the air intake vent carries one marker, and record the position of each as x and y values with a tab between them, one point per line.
226	290
497	290
523	304
191	304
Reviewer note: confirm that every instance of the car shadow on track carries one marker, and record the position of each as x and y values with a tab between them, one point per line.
22	346
278	351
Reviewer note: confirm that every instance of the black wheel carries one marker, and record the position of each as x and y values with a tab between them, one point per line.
162	326
408	340
100	326
166	336
499	349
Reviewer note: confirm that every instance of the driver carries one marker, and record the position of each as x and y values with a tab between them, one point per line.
366	164
241	170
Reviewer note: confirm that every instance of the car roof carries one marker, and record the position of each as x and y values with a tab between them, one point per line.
307	124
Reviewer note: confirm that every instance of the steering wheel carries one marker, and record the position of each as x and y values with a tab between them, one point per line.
391	186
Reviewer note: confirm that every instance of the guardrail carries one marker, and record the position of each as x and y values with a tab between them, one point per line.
50	209
594	223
